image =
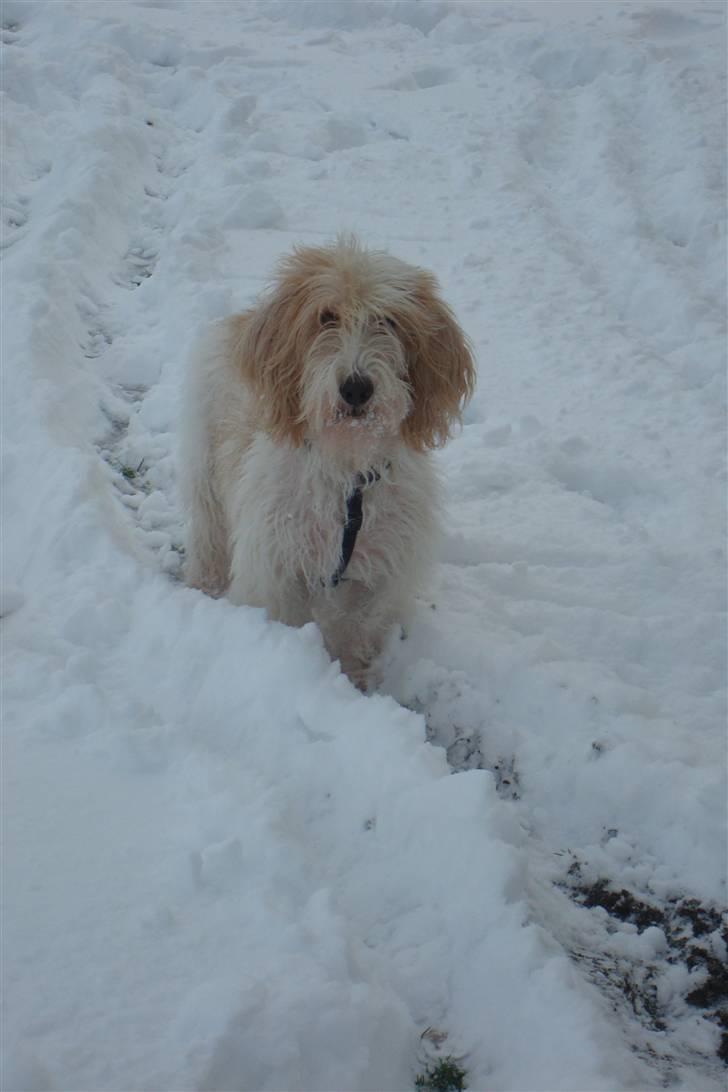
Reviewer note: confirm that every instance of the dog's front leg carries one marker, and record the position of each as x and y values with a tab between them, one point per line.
284	600
354	622
207	562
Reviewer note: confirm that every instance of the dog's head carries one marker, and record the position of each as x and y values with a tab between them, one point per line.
351	348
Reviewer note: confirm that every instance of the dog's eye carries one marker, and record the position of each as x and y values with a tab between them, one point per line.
328	317
387	321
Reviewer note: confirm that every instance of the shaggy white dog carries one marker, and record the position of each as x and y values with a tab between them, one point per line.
305	464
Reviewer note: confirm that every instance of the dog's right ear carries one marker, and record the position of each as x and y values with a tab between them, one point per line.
441	366
269	347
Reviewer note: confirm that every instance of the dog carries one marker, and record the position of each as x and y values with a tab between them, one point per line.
306	472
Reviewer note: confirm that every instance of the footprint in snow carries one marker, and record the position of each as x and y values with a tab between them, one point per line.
9	32
421	79
14	218
140	262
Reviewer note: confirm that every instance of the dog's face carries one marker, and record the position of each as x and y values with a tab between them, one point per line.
354	387
353	348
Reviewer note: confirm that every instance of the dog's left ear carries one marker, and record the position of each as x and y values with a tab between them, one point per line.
441	367
270	344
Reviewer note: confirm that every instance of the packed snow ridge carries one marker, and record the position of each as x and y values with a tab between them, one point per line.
223	867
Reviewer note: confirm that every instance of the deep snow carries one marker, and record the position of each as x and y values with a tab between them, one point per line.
223	867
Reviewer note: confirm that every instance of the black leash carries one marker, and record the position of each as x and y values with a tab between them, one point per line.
354	519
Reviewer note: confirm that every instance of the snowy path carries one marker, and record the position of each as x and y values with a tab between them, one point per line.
222	867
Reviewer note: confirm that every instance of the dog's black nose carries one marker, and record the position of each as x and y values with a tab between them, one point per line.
356	390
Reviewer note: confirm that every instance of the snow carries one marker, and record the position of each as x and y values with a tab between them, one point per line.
223	867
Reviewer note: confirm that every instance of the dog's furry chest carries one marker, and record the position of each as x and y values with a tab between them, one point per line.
312	540
292	513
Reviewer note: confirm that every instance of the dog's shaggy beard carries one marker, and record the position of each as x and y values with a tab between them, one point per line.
346	433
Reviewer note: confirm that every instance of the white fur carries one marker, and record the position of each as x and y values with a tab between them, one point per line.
266	515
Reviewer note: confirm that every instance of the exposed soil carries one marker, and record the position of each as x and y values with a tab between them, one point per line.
695	933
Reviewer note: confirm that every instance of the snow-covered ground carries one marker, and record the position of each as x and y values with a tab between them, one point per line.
223	867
